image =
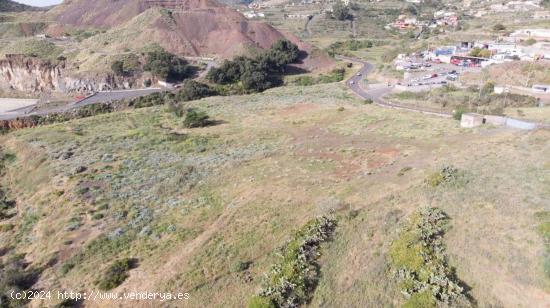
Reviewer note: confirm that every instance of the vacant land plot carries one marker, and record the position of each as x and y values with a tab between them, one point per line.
204	210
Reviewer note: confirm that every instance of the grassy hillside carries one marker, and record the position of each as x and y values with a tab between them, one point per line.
205	210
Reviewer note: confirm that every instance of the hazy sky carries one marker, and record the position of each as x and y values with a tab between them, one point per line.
39	2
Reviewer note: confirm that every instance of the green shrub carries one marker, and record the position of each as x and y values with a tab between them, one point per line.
15	275
118	68
193	90
240	266
291	281
98	216
447	175
544	230
341	11
115	274
196	118
167	66
259	73
260	302
421	300
419	263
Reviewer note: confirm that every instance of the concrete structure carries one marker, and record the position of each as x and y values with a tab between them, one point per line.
495	120
470	120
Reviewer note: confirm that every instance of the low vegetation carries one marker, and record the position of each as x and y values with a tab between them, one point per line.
544	231
418	261
291	282
447	175
116	274
34	48
335	75
472	99
343	47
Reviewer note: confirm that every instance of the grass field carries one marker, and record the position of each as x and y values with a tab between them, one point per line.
193	205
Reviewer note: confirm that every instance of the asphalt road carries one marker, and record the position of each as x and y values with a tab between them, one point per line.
109	96
377	94
99	97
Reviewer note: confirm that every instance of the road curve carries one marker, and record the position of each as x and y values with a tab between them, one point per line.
377	95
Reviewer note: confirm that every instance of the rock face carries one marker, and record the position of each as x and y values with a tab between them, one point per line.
33	75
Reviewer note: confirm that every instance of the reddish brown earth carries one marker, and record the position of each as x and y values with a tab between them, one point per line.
192	27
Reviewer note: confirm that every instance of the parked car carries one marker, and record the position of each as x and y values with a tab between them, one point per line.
452	77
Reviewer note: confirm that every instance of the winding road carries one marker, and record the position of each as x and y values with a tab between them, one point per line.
377	94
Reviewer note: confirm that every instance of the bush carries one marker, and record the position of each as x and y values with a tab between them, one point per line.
341	11
240	266
260	302
116	274
193	90
291	282
457	114
16	275
167	66
118	68
195	118
259	73
447	175
419	263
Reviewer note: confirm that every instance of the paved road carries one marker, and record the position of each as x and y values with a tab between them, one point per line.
99	97
377	94
109	96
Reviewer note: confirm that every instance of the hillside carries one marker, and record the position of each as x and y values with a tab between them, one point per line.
12	6
187	27
204	210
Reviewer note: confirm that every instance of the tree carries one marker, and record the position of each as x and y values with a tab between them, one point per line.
480	52
167	66
193	90
341	11
118	68
255	80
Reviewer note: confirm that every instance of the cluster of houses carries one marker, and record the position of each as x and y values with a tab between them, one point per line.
253	14
440	19
487	53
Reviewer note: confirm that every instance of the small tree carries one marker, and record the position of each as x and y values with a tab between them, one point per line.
193	90
196	118
118	68
341	11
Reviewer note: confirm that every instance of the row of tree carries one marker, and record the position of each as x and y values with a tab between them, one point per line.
259	73
161	64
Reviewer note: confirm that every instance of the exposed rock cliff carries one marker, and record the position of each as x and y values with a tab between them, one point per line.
33	75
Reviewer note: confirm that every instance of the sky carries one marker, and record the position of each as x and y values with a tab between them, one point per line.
39	2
